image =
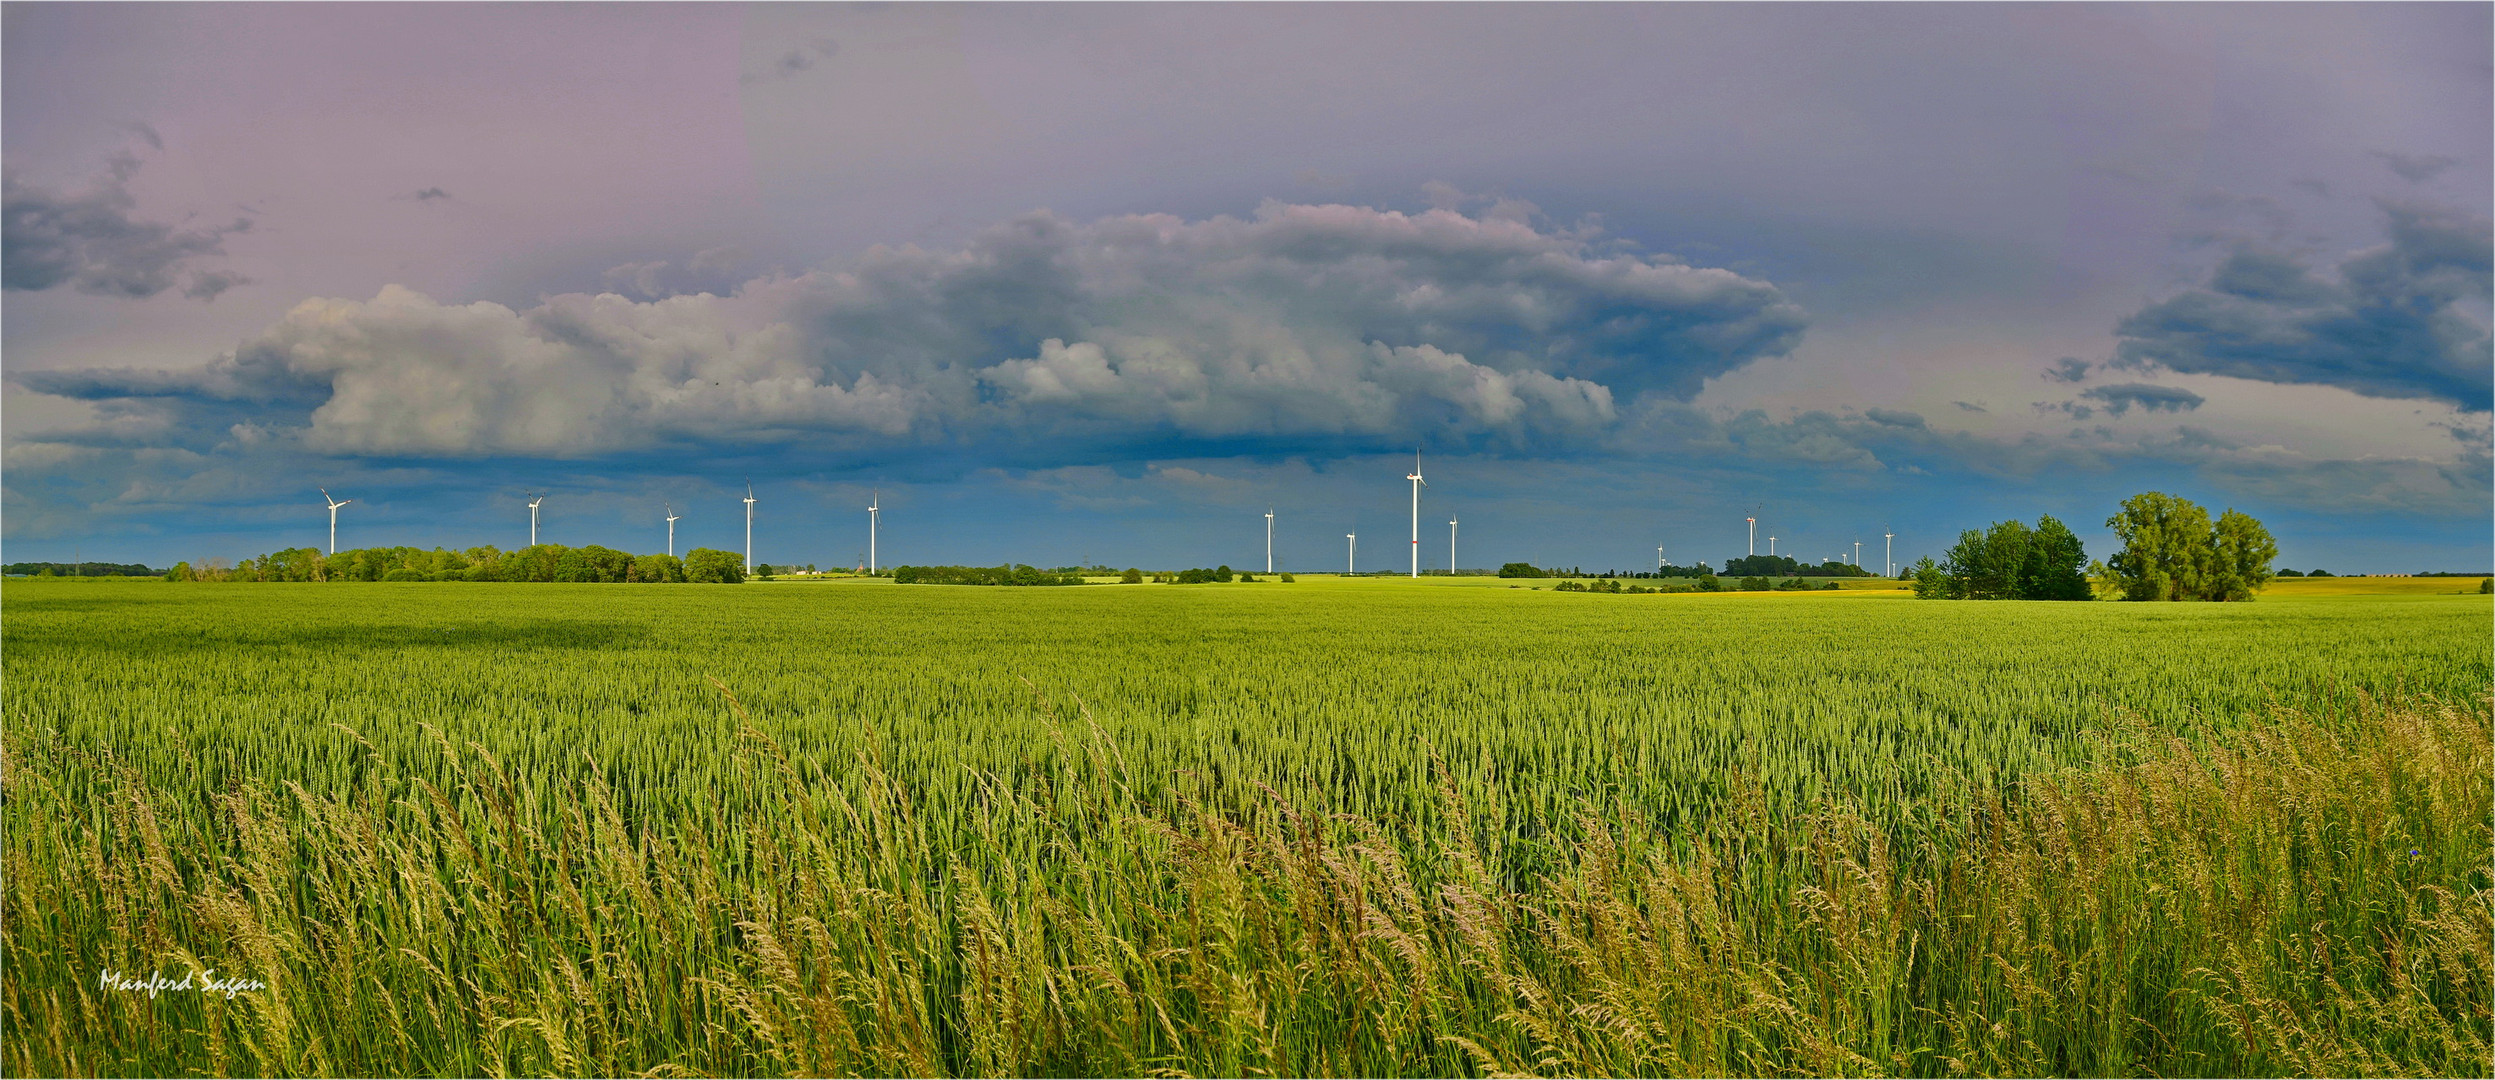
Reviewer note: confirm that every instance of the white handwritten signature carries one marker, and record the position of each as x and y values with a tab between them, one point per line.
204	981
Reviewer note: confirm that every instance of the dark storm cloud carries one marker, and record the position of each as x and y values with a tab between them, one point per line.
2121	398
2406	319
430	194
1342	324
2069	369
94	242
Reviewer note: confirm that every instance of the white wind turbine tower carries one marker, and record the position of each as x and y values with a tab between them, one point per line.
1888	556
1269	539
1771	546
1753	519
1658	558
334	504
1351	554
532	518
874	508
749	526
1451	547
671	530
1417	485
1858	554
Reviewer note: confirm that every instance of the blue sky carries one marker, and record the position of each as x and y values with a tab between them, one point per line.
1106	282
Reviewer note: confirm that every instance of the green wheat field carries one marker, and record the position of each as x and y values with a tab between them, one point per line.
1319	828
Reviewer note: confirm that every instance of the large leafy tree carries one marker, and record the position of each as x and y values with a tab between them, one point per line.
2052	570
713	566
1986	564
2165	547
2172	551
2240	562
2009	561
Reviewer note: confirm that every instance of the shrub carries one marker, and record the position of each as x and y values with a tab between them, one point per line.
1132	576
404	574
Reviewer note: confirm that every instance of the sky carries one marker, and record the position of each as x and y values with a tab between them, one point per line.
1106	283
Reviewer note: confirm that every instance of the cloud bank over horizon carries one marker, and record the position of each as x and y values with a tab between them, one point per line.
1364	327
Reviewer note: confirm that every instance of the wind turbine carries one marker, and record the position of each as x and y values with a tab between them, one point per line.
334	504
1771	546
532	518
1858	554
1417	485
1351	554
1269	539
1753	519
1450	547
749	525
1888	557
1658	558
874	510
671	530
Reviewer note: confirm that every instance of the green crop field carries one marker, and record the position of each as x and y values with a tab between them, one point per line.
1361	826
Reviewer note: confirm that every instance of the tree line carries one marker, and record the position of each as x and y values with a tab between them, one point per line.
1013	574
84	569
2172	550
1770	566
537	562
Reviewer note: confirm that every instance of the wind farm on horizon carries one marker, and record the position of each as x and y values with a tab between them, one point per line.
872	566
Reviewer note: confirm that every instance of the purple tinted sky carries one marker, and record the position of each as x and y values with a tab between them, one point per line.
1688	260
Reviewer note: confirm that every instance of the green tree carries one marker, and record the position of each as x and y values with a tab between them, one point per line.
713	566
2165	547
2172	551
1522	570
2055	558
657	568
1986	564
1132	576
2241	551
1931	582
